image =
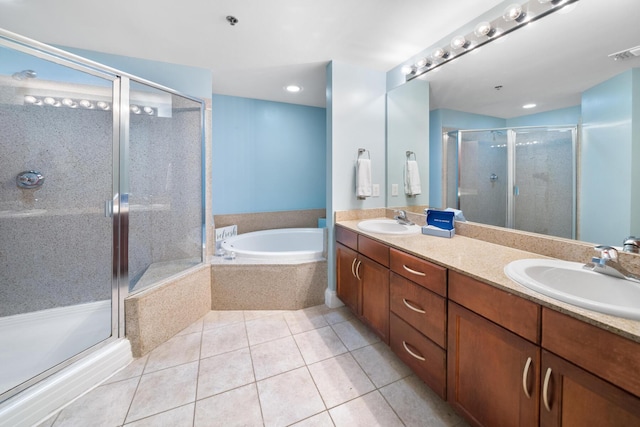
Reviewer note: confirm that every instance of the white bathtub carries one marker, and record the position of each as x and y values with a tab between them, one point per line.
290	244
33	342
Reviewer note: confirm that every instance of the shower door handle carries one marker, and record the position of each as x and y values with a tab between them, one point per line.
108	208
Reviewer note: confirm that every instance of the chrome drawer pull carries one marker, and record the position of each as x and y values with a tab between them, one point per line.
417	273
411	307
545	390
404	344
525	376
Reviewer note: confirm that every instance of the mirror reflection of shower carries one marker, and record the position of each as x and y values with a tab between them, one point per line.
521	178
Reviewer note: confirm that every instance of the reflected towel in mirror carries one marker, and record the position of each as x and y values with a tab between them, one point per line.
412	178
363	178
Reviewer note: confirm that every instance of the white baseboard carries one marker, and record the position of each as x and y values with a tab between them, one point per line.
38	402
331	299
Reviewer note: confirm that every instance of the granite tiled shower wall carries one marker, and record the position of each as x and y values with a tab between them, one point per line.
55	241
165	222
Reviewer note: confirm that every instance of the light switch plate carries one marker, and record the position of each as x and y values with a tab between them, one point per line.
394	190
376	190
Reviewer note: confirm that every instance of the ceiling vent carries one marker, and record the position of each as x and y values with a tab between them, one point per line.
626	54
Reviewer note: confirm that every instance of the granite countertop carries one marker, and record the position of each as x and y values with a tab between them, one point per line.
485	262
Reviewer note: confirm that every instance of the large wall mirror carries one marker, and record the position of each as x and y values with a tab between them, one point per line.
587	110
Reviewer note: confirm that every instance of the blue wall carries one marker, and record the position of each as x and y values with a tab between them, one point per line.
267	156
610	155
443	118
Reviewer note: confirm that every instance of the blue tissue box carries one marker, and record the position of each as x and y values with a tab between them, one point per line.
439	223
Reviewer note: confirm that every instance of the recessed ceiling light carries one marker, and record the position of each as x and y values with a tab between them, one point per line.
293	88
527	106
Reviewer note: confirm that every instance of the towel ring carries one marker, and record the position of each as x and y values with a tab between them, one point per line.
411	153
362	151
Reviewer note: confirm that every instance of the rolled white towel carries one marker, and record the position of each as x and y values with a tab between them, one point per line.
363	178
412	178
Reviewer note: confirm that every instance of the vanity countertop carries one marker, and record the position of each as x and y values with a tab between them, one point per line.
486	261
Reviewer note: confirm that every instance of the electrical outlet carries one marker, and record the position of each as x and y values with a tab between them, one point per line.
375	190
394	190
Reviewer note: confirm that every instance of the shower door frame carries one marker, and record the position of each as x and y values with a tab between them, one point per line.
118	206
512	188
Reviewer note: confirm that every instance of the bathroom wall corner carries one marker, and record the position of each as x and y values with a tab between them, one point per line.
155	315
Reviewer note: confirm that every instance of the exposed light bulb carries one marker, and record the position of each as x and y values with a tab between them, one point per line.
85	103
49	100
483	29
103	105
440	53
135	109
68	102
459	42
148	110
407	69
424	62
513	12
30	99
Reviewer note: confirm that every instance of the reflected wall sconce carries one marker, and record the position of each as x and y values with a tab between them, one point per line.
514	16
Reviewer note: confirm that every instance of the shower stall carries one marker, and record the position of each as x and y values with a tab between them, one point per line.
101	195
520	178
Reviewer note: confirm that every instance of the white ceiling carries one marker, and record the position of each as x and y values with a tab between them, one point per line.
275	43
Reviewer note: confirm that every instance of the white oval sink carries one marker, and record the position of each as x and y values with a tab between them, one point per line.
387	226
569	282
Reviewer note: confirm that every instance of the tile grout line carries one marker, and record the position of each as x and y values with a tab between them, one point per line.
253	368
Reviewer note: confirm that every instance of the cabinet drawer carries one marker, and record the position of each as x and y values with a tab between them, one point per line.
347	237
379	252
422	309
509	311
607	355
426	359
424	273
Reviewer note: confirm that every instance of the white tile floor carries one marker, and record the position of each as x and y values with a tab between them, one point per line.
311	367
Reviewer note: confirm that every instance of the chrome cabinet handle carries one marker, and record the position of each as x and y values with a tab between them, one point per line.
545	390
404	344
525	376
358	270
353	267
411	307
417	273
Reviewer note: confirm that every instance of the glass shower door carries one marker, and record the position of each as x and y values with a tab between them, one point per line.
482	176
544	192
165	178
56	232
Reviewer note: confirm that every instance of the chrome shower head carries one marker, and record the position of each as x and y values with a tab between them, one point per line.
24	75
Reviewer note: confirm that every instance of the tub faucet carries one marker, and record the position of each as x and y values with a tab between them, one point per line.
401	217
607	263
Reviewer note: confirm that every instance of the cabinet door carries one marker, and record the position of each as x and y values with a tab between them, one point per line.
573	397
348	285
492	374
375	296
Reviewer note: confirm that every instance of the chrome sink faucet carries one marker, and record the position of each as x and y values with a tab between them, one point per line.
401	217
607	263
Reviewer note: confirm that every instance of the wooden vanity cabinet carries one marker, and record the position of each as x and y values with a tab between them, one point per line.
419	317
572	396
363	279
578	380
493	369
347	283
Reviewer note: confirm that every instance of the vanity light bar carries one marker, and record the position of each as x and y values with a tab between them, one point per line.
513	17
84	104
